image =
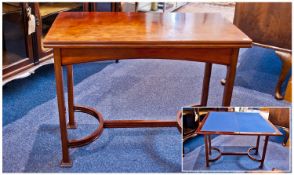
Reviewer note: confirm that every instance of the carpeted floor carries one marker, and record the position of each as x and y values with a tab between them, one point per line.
131	89
277	157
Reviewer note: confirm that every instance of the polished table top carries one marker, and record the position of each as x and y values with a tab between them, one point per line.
109	28
237	123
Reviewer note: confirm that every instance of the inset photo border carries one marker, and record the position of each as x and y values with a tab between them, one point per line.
236	139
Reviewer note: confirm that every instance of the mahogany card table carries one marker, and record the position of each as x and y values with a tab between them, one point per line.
236	123
80	37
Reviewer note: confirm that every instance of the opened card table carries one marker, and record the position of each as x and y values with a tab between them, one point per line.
236	123
79	37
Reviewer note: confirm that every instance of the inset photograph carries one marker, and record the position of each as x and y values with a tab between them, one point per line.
236	139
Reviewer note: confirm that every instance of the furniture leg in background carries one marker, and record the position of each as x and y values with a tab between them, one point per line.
274	30
286	59
70	88
286	67
288	93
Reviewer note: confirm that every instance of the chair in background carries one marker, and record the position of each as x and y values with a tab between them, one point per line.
269	26
281	118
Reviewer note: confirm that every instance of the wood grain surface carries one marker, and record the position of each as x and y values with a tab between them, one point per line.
267	23
88	29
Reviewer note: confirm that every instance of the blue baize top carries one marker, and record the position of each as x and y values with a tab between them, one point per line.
237	122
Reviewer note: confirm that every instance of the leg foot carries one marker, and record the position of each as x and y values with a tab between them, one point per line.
66	164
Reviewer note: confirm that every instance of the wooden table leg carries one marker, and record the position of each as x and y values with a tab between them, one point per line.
65	162
257	145
209	144
206	150
230	78
71	124
264	151
205	85
286	66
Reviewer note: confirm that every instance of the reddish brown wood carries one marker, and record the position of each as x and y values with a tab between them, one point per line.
70	92
280	116
105	28
240	133
83	37
257	145
198	131
266	22
217	157
209	144
230	78
138	123
65	162
205	84
206	150
17	67
20	67
264	151
39	51
286	59
71	56
250	156
94	135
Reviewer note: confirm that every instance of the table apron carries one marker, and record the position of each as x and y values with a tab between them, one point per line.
82	55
